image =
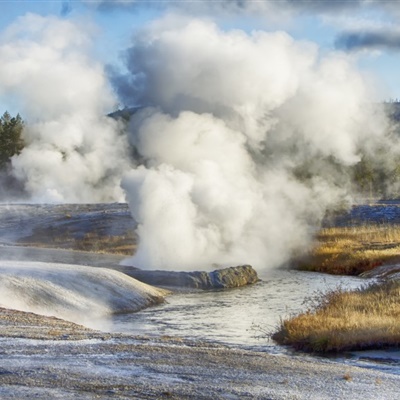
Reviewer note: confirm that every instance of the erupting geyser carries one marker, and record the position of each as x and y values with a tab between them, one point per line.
240	147
243	151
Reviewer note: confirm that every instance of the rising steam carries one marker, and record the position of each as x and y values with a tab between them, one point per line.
74	153
236	117
241	145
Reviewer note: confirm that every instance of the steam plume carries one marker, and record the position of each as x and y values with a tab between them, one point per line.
243	145
237	119
74	153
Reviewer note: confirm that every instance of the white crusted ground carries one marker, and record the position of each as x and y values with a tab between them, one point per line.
72	292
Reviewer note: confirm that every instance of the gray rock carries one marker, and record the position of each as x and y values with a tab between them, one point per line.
219	279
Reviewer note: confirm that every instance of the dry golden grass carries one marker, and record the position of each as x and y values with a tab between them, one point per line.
347	320
123	244
353	250
92	242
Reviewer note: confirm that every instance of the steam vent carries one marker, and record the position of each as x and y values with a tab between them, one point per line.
219	279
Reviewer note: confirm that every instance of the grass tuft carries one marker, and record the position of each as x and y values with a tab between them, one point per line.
347	377
343	320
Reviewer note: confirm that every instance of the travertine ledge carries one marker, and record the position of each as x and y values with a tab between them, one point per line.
224	278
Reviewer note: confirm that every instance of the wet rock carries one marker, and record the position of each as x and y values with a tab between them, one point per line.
219	279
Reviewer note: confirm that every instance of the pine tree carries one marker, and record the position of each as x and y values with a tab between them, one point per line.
11	142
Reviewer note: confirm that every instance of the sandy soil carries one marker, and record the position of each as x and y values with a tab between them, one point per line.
44	357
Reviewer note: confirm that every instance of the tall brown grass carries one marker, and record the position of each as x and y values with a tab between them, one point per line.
353	250
346	320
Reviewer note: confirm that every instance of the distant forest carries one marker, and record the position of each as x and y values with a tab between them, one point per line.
375	176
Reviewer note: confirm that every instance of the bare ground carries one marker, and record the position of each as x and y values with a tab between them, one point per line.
44	357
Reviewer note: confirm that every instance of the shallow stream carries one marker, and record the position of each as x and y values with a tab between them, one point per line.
246	316
233	316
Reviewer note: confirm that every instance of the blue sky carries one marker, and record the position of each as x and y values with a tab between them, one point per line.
365	29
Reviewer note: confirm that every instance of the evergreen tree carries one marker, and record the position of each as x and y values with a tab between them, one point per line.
11	142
